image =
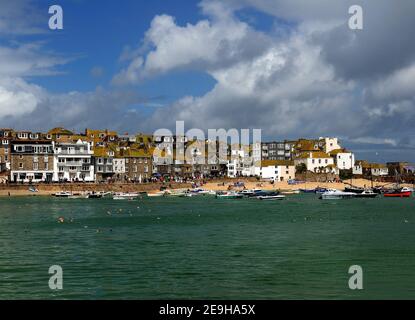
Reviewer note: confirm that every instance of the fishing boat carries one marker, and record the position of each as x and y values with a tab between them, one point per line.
272	196
367	194
229	195
333	194
398	193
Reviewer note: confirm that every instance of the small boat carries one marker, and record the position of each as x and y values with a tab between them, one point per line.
62	194
200	191
367	194
229	195
271	196
308	190
288	192
33	189
94	195
398	193
321	190
333	194
125	196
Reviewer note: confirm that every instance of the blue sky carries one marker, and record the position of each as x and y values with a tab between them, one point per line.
292	68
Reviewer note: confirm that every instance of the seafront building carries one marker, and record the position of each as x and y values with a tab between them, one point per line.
31	159
61	155
73	162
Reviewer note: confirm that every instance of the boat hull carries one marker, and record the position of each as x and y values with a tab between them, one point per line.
398	194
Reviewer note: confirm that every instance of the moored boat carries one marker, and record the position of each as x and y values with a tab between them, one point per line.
367	194
229	195
398	193
125	196
271	196
333	194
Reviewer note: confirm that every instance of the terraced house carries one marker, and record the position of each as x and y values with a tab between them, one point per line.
73	161
104	163
31	159
5	137
138	164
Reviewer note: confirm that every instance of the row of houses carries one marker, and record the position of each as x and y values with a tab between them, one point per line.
61	155
103	155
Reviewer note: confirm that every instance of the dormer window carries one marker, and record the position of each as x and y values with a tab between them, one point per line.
49	136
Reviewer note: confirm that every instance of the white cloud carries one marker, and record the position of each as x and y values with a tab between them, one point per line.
17	97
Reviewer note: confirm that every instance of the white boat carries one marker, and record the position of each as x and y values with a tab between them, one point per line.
271	197
125	196
200	191
229	195
333	194
62	194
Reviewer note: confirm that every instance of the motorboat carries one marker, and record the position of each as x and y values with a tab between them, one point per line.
125	196
271	196
367	194
333	194
229	195
321	190
62	194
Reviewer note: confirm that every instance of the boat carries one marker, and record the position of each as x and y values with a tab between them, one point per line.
33	189
367	194
354	189
308	190
398	193
250	193
94	195
321	190
125	196
229	195
200	191
271	196
288	192
333	194
62	194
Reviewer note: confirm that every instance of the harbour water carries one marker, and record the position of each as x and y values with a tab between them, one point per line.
204	248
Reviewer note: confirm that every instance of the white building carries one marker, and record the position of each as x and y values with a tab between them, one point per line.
240	164
275	170
317	161
73	162
119	166
330	144
343	159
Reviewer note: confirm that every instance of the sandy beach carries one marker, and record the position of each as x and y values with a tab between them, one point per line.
47	190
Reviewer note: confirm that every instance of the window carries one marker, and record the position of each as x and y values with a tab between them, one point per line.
20	165
35	166
46	166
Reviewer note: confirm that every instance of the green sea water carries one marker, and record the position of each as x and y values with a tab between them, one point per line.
206	248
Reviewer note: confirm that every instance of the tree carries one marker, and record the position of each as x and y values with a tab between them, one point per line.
301	168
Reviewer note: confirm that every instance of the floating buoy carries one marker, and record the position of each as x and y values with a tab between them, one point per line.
61	219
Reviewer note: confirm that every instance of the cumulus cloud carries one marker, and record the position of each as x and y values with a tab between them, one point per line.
206	45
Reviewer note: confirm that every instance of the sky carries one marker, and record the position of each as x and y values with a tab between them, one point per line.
292	68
